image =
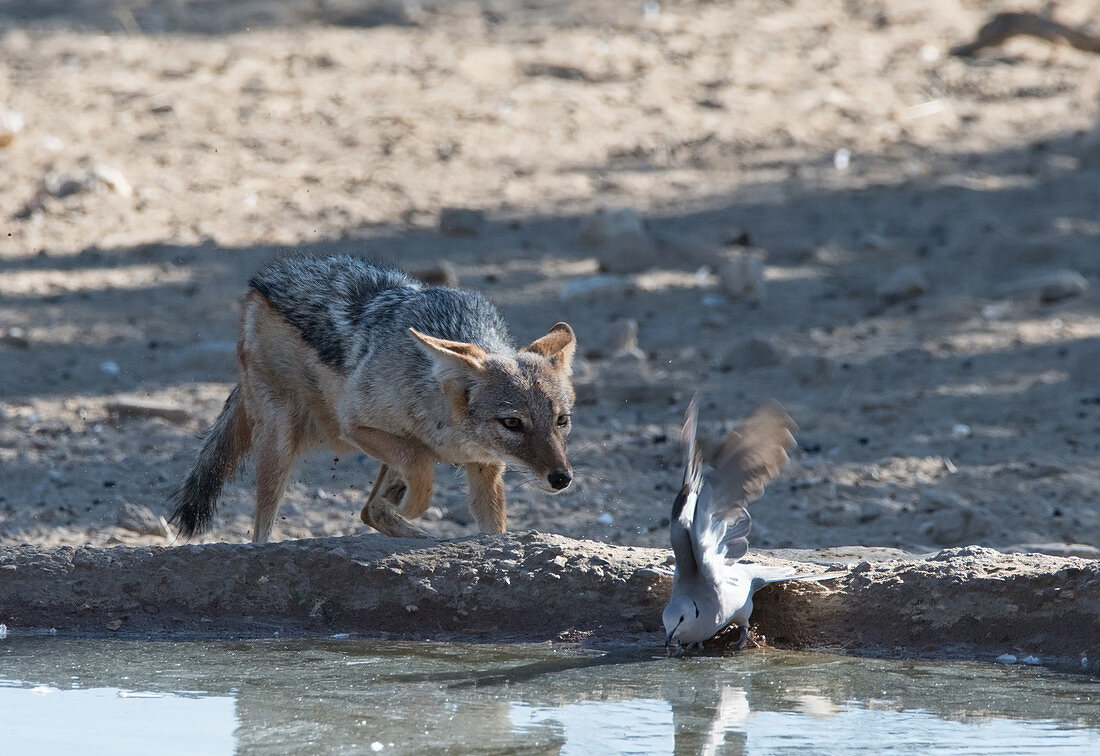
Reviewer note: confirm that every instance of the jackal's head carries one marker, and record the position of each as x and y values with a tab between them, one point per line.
517	406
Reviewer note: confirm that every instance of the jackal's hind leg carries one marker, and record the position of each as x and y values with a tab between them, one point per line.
275	453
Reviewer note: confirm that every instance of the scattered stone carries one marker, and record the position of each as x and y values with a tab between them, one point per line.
461	221
110	368
621	338
958	525
140	519
3	631
605	518
626	362
935	499
842	159
603	225
131	409
97	178
624	244
340	636
756	352
60	185
443	274
595	285
905	283
1031	660
810	368
873	509
1006	659
16	338
114	625
961	430
741	274
112	179
11	123
1049	288
1062	284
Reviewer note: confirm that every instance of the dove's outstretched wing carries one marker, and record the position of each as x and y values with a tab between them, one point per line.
683	509
748	460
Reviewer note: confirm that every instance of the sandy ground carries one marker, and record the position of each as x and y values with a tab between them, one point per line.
170	148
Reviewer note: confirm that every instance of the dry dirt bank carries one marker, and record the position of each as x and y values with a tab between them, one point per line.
960	602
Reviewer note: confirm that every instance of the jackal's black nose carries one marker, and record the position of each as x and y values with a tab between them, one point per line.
559	479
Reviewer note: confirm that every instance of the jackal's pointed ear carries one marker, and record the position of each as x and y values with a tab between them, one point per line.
450	359
557	346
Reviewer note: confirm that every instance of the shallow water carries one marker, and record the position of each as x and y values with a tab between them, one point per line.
347	696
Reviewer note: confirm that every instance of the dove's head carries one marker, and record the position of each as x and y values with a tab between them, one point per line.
680	618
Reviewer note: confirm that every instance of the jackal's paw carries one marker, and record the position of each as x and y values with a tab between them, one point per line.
380	515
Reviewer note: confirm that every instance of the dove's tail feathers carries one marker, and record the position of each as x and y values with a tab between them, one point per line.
817	577
764	575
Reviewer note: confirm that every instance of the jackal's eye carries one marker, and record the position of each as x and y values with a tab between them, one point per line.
563	420
511	423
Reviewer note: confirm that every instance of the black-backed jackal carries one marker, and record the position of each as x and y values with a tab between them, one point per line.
341	352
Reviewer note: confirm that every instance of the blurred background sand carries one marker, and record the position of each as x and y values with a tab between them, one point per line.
812	201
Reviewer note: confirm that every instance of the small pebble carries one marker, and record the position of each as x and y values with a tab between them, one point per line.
341	636
1006	659
741	276
376	746
904	284
1062	284
961	430
842	159
622	240
1031	660
3	631
11	123
756	352
110	368
605	518
461	221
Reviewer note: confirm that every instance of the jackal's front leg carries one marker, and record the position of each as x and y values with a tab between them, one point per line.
413	463
389	486
487	501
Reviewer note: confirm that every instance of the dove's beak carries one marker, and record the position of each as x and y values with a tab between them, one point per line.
671	636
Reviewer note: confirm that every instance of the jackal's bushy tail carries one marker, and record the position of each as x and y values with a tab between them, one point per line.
195	498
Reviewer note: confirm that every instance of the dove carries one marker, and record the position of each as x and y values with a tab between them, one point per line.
710	524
